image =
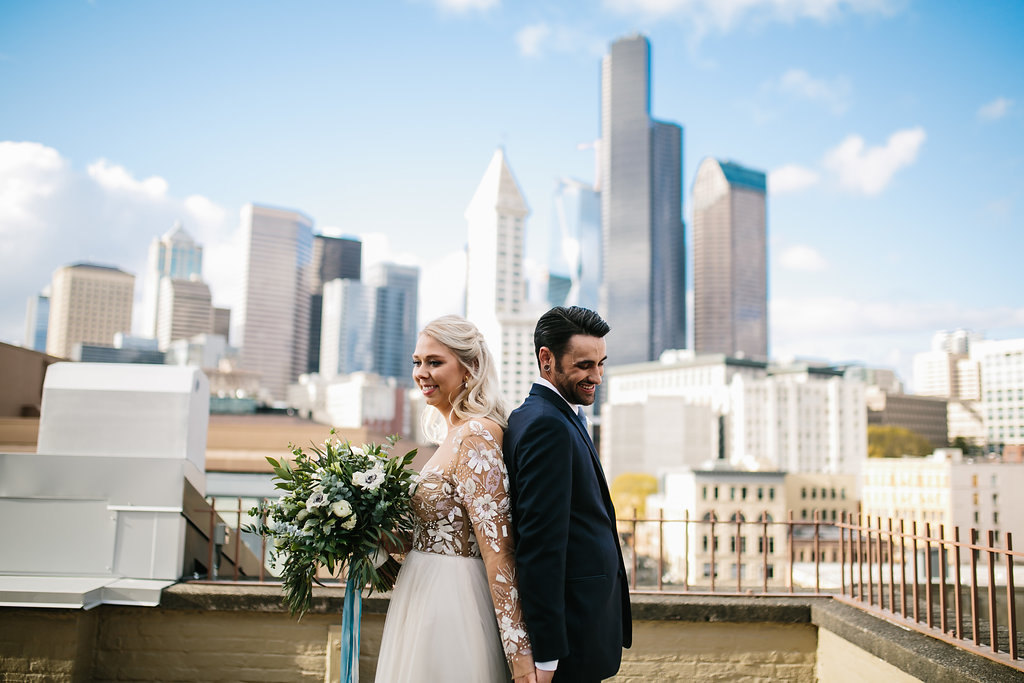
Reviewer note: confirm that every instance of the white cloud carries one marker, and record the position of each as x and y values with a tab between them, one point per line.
377	249
536	39
724	15
466	5
881	333
52	214
802	257
869	169
994	110
114	177
205	211
530	39
29	173
443	286
791	178
834	94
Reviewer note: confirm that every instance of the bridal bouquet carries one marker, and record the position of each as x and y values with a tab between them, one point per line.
342	505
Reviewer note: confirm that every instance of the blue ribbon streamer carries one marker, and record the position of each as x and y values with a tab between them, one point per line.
351	614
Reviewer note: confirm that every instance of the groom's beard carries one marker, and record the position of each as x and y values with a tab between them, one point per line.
569	388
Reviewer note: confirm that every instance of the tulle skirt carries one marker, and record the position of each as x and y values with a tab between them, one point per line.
440	624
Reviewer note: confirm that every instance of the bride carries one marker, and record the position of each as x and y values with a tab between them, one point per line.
455	613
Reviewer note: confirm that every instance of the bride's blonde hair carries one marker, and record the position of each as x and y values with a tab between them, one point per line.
480	396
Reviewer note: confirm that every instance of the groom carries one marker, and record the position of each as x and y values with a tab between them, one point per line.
572	582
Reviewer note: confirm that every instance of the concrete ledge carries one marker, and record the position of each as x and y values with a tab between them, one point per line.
921	656
730	609
241	597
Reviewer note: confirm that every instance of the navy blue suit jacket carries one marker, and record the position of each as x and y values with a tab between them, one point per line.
572	582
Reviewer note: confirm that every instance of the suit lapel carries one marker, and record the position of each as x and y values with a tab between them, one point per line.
574	419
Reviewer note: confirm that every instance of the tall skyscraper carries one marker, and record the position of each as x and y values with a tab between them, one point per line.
176	255
37	318
89	304
333	258
643	289
574	261
347	328
273	316
730	266
1002	394
495	281
186	309
395	310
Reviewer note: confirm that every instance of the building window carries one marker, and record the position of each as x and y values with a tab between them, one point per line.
760	493
704	493
771	493
803	491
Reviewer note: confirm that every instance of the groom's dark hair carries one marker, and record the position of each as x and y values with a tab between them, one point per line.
557	326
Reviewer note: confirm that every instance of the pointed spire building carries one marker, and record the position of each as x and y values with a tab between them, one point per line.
495	278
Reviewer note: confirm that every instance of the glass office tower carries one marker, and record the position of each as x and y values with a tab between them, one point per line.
643	288
730	266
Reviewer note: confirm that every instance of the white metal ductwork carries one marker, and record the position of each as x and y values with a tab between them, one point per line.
97	514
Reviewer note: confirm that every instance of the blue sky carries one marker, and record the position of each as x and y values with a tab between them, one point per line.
892	132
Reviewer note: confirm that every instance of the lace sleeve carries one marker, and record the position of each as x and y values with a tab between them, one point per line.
482	484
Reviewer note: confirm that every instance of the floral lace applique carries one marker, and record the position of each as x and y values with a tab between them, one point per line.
473	486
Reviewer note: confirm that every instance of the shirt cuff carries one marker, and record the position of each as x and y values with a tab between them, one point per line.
547	666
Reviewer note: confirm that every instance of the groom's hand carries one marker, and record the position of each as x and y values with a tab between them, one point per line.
544	676
526	678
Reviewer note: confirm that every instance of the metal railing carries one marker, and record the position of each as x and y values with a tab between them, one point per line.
885	565
918	577
687	554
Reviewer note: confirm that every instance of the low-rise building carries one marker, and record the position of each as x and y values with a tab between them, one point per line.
947	490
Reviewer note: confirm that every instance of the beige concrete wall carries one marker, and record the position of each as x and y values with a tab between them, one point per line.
46	645
225	633
143	644
840	661
694	651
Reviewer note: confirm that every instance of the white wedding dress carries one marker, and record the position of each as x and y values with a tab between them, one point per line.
455	613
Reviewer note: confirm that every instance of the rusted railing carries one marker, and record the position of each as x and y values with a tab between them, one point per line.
878	576
913	576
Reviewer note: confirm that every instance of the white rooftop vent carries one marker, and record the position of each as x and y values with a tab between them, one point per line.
98	514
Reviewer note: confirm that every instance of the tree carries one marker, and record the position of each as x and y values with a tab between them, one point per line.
629	492
965	446
890	441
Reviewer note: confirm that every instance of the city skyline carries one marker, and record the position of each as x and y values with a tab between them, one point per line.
866	115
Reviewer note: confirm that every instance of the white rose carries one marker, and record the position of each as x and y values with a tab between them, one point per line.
349	523
342	508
